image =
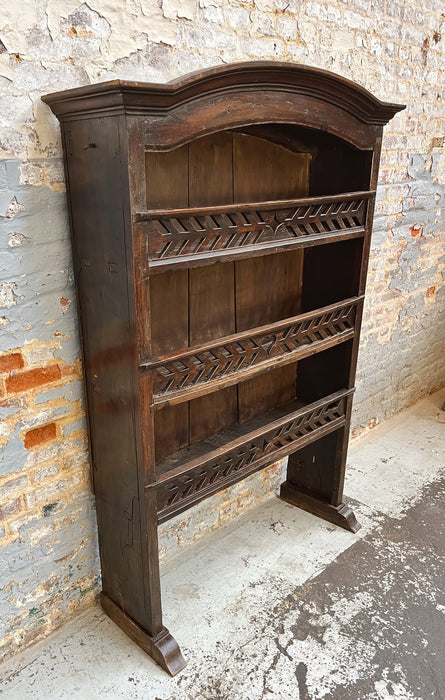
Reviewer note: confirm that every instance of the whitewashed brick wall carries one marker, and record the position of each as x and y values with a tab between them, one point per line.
48	566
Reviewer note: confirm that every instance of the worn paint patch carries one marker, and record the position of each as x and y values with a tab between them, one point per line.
33	291
45	495
404	317
370	624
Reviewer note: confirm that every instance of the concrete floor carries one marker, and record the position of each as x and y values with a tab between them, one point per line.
279	604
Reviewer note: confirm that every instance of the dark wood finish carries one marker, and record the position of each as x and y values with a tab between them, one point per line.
200	236
162	648
286	174
211	166
341	515
204	368
221	229
198	471
239	94
268	288
171	429
161	188
169	312
126	520
211	289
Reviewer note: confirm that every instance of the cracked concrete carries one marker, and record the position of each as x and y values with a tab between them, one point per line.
283	605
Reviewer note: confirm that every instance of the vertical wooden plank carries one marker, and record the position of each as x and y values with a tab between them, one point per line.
167	186
212	315
339	168
211	289
331	273
171	429
264	170
212	302
325	372
312	469
169	312
266	392
212	413
268	288
210	170
166	178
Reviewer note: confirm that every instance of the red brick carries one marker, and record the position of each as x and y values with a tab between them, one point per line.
430	292
17	484
416	230
32	378
13	360
42	434
10	508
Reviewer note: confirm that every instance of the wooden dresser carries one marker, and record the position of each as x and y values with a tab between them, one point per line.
221	227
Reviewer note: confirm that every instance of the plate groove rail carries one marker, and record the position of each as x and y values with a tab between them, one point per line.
221	363
184	237
182	487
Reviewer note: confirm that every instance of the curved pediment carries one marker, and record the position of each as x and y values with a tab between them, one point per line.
315	98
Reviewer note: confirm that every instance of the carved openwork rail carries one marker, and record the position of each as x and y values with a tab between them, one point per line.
177	236
225	361
192	481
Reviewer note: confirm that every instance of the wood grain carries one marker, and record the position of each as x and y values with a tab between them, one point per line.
177	243
167	176
212	300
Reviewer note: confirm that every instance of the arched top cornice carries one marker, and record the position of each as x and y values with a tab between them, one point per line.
308	96
152	98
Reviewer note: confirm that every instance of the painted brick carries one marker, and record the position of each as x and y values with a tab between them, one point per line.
46	472
34	377
54	450
72	392
38	435
401	355
10	508
70	428
12	485
10	362
39	355
10	406
55	489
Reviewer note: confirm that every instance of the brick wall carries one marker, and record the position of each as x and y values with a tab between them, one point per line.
49	567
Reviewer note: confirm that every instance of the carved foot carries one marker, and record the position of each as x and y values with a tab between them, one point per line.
341	515
163	648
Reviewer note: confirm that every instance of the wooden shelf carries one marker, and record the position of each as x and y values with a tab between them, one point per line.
178	238
200	470
205	368
269	169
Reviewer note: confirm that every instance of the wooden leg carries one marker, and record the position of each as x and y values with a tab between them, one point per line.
143	621
341	515
315	477
163	648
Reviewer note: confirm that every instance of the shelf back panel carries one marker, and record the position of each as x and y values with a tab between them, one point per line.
192	306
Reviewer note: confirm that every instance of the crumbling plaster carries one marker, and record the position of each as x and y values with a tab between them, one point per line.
49	566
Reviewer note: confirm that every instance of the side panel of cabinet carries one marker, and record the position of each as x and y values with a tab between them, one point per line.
96	175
